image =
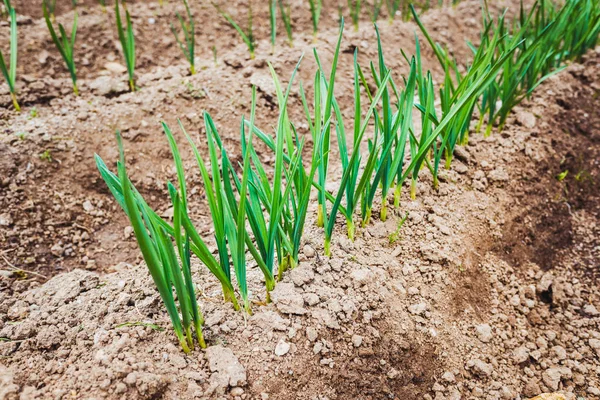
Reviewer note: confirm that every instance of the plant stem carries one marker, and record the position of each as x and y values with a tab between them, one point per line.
320	223
183	342
188	337
488	130
448	159
283	266
351	229
413	188
200	336
465	140
132	85
13	96
365	221
229	295
269	285
383	212
479	125
397	193
75	89
327	247
192	70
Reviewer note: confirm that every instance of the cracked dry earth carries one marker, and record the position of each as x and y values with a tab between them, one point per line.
489	290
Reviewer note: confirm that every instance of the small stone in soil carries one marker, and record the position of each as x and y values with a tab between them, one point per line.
282	348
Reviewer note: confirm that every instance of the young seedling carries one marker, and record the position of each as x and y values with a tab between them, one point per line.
127	40
395	236
248	36
323	111
395	129
103	5
188	45
275	234
286	17
376	10
354	7
65	45
153	237
273	22
392	7
51	6
298	178
479	76
10	72
315	14
221	216
547	38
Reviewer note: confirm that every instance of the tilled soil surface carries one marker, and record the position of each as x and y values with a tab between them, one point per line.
488	290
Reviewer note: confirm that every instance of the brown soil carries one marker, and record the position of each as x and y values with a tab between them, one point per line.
544	227
490	291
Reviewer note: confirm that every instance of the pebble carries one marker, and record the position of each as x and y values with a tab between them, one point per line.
551	378
115	67
413	291
282	348
532	388
418	309
120	388
223	361
448	377
5	220
308	251
357	340
590	310
526	119
520	355
361	276
484	333
311	299
311	334
498	175
594	391
480	368
393	373
87	206
559	352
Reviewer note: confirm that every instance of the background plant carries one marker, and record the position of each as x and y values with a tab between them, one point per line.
65	45
392	7
315	15
286	17
354	6
10	72
188	45
127	39
376	10
51	6
247	36
273	22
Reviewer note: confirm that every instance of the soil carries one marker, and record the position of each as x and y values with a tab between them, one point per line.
490	290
